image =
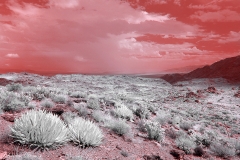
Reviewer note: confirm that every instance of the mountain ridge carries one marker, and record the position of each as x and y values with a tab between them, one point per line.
228	68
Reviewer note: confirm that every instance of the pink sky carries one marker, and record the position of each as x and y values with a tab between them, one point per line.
116	36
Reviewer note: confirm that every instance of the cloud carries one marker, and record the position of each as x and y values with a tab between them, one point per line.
177	2
157	1
25	10
106	35
225	15
12	55
145	16
205	6
64	3
232	37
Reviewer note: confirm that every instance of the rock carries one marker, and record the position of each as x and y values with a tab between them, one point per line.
9	117
3	155
237	94
191	95
177	154
79	100
59	109
212	90
152	157
4	82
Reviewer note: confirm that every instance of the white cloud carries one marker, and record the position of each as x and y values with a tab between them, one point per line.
225	15
65	3
145	16
12	55
232	37
25	11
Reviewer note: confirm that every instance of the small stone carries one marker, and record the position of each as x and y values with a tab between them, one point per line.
3	155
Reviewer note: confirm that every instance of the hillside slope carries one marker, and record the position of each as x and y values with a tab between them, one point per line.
228	68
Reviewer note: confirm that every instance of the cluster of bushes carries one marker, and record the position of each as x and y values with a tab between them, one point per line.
42	130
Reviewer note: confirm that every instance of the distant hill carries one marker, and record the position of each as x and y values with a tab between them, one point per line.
185	69
228	68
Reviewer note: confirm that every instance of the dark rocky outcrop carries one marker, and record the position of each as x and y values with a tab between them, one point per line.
228	68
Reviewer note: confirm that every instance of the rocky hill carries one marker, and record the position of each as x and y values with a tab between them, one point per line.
228	68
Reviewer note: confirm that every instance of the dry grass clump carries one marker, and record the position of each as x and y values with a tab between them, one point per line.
98	116
82	109
123	112
9	102
69	116
40	130
14	87
60	99
185	143
222	150
32	105
48	103
119	126
93	103
78	94
154	131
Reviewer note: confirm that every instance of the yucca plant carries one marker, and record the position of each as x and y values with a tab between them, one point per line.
85	133
40	130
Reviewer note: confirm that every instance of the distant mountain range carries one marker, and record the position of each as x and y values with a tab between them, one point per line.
228	68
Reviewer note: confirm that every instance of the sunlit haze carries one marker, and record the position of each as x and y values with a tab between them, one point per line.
116	36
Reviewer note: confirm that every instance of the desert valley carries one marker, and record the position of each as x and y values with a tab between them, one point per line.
119	117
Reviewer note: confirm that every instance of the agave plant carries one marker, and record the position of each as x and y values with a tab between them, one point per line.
40	130
85	133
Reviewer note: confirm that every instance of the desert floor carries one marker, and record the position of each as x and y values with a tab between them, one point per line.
197	119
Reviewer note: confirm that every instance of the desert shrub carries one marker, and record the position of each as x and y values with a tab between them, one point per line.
237	146
78	95
119	126
142	112
69	102
15	87
25	156
222	150
154	131
85	133
48	103
82	109
152	108
92	96
162	117
69	116
93	103
142	126
32	105
198	151
98	116
206	139
75	158
40	130
185	143
176	120
10	102
60	99
123	112
185	126
171	133
40	93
